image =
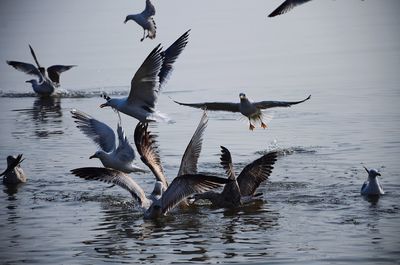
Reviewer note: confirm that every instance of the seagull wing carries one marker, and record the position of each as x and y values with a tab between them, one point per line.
113	176
214	106
124	151
192	152
170	55
27	68
148	150
226	162
14	164
149	10
96	130
187	185
255	173
287	6
274	104
54	72
144	82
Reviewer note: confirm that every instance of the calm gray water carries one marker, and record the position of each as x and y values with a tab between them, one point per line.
345	53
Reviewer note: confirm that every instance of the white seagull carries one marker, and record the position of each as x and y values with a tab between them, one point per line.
145	20
147	83
287	6
240	190
252	110
372	186
46	83
14	174
119	157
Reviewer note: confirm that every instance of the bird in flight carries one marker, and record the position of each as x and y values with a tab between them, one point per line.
286	7
145	20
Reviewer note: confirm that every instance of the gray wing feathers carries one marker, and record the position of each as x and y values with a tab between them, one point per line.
193	149
124	150
149	10
54	72
255	173
273	104
226	162
286	6
213	106
27	68
99	132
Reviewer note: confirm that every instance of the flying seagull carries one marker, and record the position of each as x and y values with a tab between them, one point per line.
45	83
147	83
286	7
240	190
252	110
145	20
119	157
14	173
372	186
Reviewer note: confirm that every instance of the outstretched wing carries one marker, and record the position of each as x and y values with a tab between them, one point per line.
274	104
149	10
124	150
193	149
170	55
96	130
226	162
148	150
286	6
187	185
54	72
213	106
255	173
14	164
113	176
27	68
145	81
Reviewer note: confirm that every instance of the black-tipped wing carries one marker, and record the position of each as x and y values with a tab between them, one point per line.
192	152
96	130
187	185
148	150
274	104
226	162
287	6
27	68
145	82
149	10
54	72
213	106
255	173
14	164
113	176
170	55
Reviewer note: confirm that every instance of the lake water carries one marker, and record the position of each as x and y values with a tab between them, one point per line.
346	54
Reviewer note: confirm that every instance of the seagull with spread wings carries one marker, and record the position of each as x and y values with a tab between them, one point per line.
252	110
46	83
286	6
240	190
145	20
164	197
147	83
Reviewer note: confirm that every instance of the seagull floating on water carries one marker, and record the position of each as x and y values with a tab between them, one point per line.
372	186
14	174
252	110
119	157
286	7
147	83
240	190
145	20
46	83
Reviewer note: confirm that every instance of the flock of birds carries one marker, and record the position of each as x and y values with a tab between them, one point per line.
118	157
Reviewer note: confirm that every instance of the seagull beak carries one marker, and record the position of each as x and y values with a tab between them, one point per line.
93	156
104	105
125	21
379	174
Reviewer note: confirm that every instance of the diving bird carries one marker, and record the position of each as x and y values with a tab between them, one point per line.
147	83
14	174
119	157
252	110
286	6
240	190
372	186
145	20
45	83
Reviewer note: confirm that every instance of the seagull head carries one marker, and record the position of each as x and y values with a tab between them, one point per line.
242	95
110	102
32	81
372	173
98	154
126	19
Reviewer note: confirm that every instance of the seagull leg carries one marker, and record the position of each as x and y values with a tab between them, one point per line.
144	32
263	125
251	126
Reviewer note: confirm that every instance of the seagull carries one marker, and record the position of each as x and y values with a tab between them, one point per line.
145	20
252	110
372	186
240	190
286	7
46	84
13	174
163	198
147	83
112	156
